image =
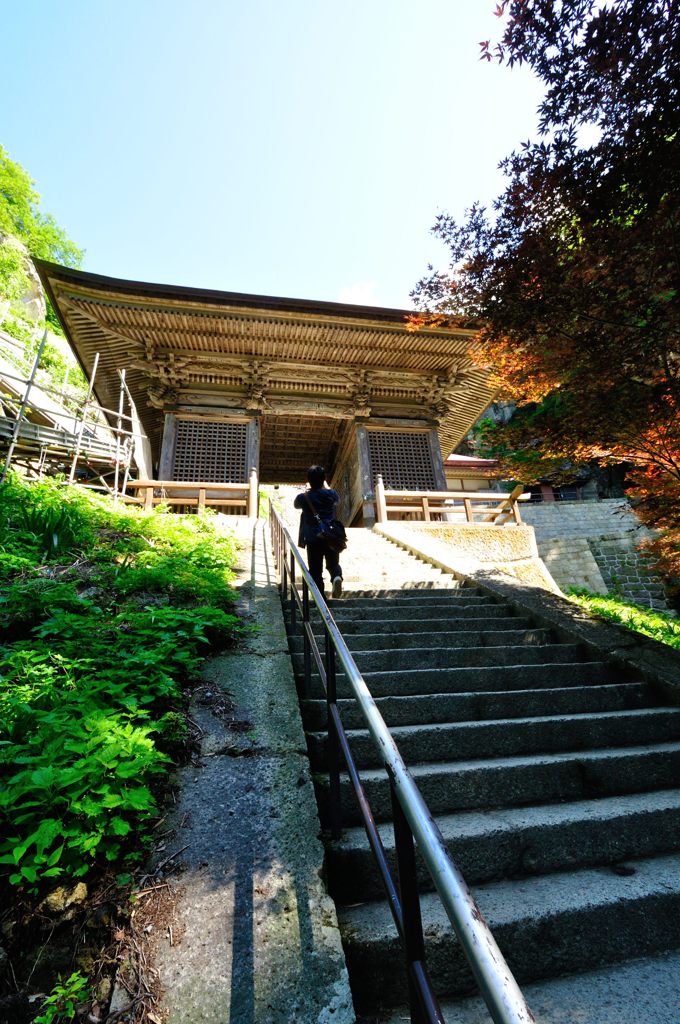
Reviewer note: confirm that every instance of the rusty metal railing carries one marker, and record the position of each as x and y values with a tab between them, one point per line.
413	822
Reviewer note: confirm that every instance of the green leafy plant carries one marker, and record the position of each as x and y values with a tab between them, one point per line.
63	1001
92	671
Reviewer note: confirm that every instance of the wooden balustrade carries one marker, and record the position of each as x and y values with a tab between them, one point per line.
203	494
494	509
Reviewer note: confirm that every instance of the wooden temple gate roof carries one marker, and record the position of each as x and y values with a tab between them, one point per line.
188	348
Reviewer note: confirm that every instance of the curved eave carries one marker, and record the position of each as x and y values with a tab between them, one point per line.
126	320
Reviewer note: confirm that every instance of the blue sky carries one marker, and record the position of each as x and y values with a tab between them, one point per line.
299	149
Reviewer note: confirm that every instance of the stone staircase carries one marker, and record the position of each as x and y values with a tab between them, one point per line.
553	777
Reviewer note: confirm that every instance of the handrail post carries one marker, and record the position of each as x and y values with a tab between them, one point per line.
274	535
292	592
333	744
380	502
252	494
307	684
413	941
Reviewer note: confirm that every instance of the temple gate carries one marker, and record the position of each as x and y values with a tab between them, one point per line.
225	383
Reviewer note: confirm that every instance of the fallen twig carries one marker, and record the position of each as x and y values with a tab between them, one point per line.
167	860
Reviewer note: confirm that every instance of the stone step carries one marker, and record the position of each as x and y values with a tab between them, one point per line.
643	989
381	598
362	582
433	606
468	680
513	781
470	617
465	707
407	593
419	623
389	641
454	741
447	658
519	841
387	630
546	925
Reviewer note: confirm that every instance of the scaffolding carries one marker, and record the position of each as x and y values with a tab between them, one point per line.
54	431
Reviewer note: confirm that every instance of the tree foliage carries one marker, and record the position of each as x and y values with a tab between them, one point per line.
21	219
573	273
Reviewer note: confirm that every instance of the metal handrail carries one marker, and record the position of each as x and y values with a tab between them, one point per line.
413	819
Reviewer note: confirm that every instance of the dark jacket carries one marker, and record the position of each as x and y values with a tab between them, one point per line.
323	500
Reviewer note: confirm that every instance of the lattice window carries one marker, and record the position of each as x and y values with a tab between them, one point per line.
404	459
210	452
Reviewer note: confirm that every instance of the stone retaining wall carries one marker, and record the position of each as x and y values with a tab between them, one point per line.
594	544
571	563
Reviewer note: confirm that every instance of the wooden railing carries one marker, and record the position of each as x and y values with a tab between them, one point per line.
202	494
449	506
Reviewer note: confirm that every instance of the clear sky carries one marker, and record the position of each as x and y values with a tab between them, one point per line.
300	149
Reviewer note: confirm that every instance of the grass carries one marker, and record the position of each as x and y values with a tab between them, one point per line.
106	615
658	625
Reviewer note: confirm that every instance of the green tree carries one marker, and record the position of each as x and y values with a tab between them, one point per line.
21	219
574	273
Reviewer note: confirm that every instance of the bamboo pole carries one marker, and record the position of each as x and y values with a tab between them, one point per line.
79	437
22	408
119	427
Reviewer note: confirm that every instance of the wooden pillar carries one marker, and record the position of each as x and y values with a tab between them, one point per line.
367	495
437	462
253	447
167	459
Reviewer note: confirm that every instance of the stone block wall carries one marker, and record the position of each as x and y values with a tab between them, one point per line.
571	564
561	519
624	571
594	544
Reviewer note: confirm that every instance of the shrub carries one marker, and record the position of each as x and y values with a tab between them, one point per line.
91	673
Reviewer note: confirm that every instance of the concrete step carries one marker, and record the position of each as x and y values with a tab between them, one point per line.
644	989
384	641
546	925
453	741
414	599
518	841
464	707
437	656
467	680
513	781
